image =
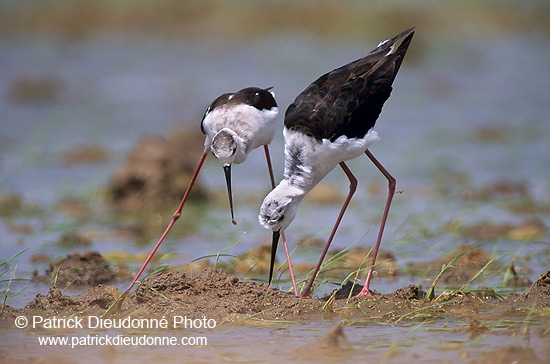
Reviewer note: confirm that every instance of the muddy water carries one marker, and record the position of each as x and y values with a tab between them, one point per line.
379	343
464	115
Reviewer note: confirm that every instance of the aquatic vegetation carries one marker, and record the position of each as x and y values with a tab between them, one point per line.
7	276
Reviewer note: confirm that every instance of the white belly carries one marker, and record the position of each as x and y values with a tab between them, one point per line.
254	127
308	161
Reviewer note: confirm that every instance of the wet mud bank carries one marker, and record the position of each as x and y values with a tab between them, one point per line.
218	295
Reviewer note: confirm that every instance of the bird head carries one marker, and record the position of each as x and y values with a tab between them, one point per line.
277	212
225	145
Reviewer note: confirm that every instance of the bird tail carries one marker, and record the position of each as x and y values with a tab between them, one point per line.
400	38
398	44
391	53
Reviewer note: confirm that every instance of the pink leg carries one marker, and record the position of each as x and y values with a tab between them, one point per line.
175	217
391	191
352	188
269	167
289	264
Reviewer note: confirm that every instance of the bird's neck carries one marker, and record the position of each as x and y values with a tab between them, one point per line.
286	189
298	171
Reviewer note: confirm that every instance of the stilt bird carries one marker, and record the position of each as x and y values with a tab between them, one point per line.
329	122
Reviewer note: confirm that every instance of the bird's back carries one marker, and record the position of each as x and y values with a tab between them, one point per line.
257	98
348	100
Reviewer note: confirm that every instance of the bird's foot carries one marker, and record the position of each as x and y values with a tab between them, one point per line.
365	293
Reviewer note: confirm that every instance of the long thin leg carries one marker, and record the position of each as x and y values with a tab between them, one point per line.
352	188
175	217
269	167
271	176
290	270
391	191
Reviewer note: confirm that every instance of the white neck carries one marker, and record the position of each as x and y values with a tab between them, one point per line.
285	188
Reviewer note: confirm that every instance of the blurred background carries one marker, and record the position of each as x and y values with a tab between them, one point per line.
90	91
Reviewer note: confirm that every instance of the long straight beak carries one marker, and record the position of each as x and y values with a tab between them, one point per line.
274	244
227	170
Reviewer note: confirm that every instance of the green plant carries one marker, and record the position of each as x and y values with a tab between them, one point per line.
5	283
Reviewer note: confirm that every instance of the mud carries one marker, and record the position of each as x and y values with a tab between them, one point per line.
239	307
531	228
333	346
35	89
540	291
82	269
472	260
223	297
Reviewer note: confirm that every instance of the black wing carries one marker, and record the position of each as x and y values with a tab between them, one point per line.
348	100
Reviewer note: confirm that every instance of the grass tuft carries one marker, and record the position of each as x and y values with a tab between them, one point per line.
5	284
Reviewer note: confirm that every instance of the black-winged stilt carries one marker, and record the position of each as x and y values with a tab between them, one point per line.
234	124
332	121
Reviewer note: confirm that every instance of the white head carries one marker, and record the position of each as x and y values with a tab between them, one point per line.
280	206
225	146
277	212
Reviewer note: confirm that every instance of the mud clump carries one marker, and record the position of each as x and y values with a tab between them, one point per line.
354	259
13	204
411	292
69	240
218	295
35	89
464	268
476	329
537	297
333	345
540	291
95	301
510	354
156	173
487	231
53	301
258	258
88	268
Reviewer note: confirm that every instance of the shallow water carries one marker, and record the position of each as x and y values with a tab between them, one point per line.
431	343
115	89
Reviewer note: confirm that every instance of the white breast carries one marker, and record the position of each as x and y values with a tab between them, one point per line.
255	127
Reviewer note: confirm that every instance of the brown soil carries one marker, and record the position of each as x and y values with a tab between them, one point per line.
540	291
37	89
215	294
88	268
464	268
333	346
531	228
223	297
